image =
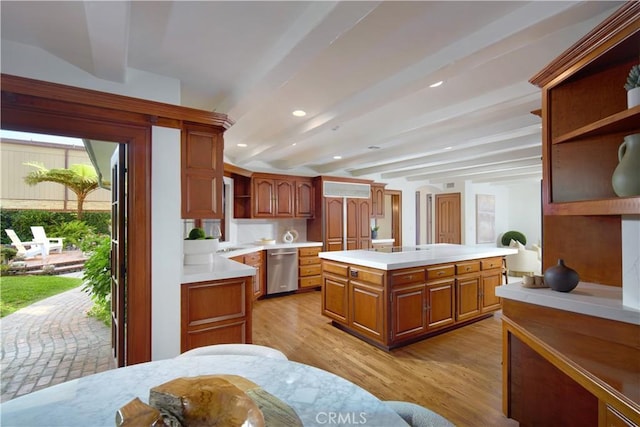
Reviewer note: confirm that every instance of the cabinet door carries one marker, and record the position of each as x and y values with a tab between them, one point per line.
440	304
334	224
217	312
468	297
408	308
202	172
366	310
264	197
284	198
377	201
364	226
304	200
491	279
335	298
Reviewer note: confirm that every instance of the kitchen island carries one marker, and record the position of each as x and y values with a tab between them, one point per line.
391	297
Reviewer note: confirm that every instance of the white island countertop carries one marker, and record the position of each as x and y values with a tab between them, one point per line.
414	256
587	298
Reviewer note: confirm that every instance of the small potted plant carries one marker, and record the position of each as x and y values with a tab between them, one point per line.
199	248
374	231
633	86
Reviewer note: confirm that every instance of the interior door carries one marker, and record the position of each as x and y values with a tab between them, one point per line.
118	252
448	218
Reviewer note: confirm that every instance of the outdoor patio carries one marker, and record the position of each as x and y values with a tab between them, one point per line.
65	262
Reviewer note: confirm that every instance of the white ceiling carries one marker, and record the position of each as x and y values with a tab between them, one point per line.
361	70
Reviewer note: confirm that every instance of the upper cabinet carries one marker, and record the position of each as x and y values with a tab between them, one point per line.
377	200
585	118
305	198
584	121
202	171
273	196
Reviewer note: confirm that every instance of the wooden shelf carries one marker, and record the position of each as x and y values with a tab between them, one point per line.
624	121
614	206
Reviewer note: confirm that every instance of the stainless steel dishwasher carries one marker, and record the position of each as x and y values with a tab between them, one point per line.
282	270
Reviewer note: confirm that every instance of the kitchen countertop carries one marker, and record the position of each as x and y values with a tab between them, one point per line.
415	256
587	298
224	268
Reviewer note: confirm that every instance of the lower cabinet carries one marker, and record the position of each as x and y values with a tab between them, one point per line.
309	268
393	308
255	260
216	312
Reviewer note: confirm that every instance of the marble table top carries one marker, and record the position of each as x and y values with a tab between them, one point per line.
319	398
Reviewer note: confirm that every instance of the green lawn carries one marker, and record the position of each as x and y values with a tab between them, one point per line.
17	292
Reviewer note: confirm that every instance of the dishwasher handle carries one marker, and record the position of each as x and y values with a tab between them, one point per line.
283	253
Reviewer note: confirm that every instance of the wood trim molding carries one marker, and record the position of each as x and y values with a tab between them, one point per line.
622	24
151	111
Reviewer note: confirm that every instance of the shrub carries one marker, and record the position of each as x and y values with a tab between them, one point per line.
513	235
7	253
97	275
74	232
22	220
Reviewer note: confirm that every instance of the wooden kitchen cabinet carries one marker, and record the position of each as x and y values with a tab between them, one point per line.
216	312
273	197
309	268
334	224
377	200
492	275
358	226
255	260
335	296
585	118
305	206
396	307
201	157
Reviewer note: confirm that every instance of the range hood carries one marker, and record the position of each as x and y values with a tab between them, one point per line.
346	189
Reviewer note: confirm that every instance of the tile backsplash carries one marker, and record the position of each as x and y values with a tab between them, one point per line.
243	231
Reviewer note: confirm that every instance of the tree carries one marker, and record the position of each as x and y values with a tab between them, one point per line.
79	178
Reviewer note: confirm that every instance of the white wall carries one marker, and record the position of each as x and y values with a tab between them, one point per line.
166	243
525	211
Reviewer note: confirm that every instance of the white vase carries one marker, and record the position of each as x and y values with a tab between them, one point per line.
201	251
633	97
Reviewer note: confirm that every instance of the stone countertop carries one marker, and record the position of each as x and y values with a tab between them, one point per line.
587	298
415	256
224	268
314	394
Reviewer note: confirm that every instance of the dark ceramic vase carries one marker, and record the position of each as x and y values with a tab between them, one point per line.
561	278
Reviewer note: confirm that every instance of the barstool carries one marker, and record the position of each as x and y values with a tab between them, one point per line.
237	349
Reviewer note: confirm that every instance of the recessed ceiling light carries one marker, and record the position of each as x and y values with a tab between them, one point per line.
299	113
242	145
337	157
448	148
436	84
294	144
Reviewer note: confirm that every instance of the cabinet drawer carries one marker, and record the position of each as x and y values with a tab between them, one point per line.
312	251
335	268
489	263
372	277
405	277
467	267
311	270
310	282
252	258
440	271
309	261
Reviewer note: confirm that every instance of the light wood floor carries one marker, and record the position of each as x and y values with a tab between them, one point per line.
457	374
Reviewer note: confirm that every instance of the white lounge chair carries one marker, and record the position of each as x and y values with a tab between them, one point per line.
48	243
25	249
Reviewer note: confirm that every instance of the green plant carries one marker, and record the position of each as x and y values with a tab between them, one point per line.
74	233
96	275
196	234
513	235
375	228
17	292
633	79
7	254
